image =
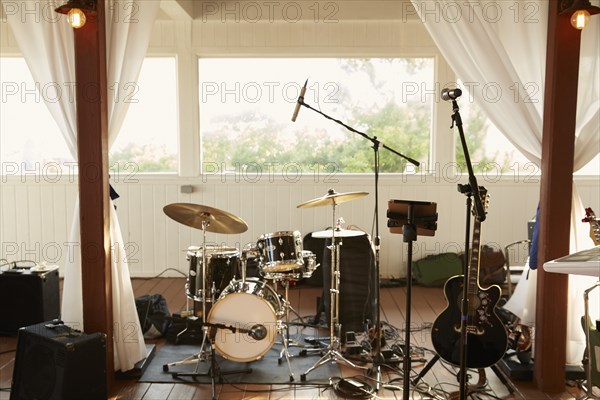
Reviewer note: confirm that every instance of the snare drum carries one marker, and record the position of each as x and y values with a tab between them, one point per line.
280	251
245	306
306	271
222	264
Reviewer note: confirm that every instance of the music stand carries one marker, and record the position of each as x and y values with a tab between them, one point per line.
410	217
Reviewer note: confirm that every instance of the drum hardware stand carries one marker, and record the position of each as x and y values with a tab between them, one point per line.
196	357
207	339
378	357
214	371
286	341
333	353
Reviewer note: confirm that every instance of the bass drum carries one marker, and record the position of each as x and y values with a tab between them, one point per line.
242	307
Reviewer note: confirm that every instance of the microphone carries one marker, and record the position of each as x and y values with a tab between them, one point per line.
451	94
299	102
257	332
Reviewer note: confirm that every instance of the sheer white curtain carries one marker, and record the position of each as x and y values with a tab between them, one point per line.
129	26
487	43
48	48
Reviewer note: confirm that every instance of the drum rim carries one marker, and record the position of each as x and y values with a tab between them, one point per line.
280	234
298	262
198	253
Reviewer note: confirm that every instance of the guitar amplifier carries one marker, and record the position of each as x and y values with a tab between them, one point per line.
27	298
55	362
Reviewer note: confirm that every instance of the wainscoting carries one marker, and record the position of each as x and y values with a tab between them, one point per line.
36	215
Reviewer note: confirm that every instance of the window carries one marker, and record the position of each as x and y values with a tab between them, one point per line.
30	141
246	107
147	141
490	151
35	146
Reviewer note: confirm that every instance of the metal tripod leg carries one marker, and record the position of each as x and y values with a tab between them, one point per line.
214	371
426	369
285	333
285	350
333	353
334	356
506	380
196	357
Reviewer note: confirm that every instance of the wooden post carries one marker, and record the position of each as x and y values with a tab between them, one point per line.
560	106
92	149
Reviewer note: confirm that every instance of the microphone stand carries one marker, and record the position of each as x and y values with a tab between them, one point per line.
480	214
378	358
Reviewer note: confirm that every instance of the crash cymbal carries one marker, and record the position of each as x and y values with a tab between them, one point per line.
194	215
339	233
332	198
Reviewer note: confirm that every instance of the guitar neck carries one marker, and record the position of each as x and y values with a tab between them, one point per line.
595	232
474	260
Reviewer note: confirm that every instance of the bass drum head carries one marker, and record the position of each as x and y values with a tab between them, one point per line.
243	310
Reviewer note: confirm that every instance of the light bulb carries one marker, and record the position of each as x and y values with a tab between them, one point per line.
76	18
580	19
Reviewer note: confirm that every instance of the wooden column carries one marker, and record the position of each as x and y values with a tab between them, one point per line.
92	148
560	106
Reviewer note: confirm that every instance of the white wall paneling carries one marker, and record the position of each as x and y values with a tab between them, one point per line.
35	217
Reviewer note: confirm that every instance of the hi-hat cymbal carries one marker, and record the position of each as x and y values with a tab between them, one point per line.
339	233
195	215
332	198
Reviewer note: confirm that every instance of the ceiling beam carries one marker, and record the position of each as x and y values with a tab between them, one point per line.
178	10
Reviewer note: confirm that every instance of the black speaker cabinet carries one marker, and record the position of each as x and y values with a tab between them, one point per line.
358	283
55	362
27	298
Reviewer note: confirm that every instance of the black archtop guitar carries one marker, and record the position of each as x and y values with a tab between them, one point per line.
486	335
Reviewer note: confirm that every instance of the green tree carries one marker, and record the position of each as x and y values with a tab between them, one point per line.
136	157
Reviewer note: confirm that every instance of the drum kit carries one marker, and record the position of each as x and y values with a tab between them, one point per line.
242	316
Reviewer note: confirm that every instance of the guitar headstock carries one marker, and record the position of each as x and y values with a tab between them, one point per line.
485	200
589	215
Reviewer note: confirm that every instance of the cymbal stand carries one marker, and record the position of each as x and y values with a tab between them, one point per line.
333	353
199	356
207	339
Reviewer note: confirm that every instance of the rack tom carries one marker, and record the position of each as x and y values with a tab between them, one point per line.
222	265
280	251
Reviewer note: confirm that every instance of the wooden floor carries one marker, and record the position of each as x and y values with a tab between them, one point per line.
427	303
